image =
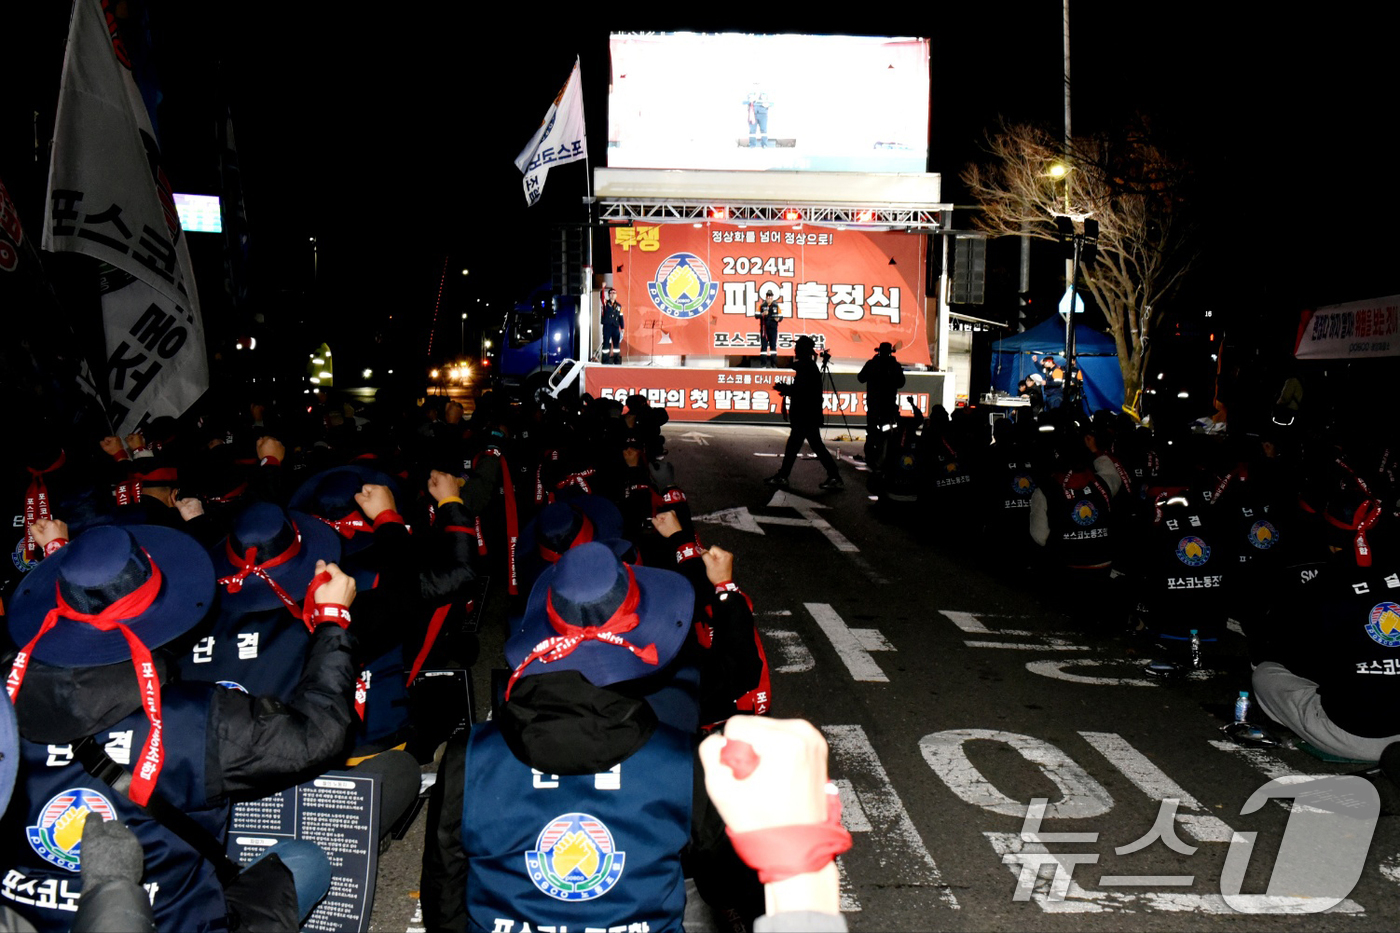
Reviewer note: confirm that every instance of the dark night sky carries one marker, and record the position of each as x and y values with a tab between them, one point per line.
390	134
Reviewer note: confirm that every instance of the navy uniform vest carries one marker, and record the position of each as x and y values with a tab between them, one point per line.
1187	566
1009	487
41	833
1079	514
1341	629
595	851
264	654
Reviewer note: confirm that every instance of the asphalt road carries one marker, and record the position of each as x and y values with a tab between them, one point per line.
953	692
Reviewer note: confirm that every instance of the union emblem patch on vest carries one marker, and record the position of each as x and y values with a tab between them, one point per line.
58	838
575	858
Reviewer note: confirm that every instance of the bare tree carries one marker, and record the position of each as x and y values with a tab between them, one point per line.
1136	192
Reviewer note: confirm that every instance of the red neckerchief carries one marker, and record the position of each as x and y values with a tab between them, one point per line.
585	535
1367	514
579	479
36	503
512	517
560	646
247	565
232	494
130	606
351	525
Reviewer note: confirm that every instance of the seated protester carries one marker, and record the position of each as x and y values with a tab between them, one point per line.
727	648
376	550
1179	570
451	551
220	479
945	475
1256	512
564	524
150	495
1332	644
645	422
574	785
91	613
1006	488
1071	519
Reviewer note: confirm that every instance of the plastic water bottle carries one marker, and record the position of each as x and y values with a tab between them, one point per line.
1195	650
1242	707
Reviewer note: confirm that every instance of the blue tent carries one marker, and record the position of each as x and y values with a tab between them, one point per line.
1014	358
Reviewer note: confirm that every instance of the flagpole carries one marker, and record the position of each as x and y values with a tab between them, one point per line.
585	341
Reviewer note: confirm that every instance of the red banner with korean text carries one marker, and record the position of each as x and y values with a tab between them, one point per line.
745	395
695	290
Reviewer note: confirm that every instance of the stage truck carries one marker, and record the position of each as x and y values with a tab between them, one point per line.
809	183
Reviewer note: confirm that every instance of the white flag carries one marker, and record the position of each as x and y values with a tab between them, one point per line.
108	198
561	138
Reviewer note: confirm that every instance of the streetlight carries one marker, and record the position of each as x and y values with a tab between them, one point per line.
462	347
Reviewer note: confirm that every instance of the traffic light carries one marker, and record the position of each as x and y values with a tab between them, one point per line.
1065	228
969	270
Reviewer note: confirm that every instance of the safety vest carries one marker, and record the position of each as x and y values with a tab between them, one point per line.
41	833
593	851
1078	511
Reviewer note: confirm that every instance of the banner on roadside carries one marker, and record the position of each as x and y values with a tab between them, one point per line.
692	289
1354	330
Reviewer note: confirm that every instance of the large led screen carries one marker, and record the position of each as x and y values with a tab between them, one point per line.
733	101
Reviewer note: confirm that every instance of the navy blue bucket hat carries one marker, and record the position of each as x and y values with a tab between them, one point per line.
285	546
102	565
330	496
609	621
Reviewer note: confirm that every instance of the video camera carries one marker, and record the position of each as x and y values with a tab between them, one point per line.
826	357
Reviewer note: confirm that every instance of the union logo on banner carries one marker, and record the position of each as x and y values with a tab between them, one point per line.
683	286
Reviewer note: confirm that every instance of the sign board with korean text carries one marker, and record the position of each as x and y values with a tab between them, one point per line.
694	290
338	811
1355	330
745	395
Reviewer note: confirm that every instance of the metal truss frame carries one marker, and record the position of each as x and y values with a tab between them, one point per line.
926	219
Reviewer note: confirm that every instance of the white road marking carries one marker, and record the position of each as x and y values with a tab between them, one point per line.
871	639
792	655
1272	767
1058	645
1153	782
852	653
946	754
739	519
967	621
808	510
695	437
416	924
902	855
1054	667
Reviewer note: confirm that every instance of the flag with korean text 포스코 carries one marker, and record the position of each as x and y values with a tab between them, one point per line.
109	198
561	137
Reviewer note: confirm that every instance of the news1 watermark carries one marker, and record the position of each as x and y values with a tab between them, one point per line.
1320	857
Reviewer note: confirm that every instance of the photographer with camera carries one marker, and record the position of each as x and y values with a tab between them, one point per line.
802	404
883	378
768	314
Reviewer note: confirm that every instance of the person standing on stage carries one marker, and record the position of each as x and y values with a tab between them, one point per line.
802	398
612	328
769	313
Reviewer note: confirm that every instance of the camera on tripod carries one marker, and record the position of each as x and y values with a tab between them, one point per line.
826	357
